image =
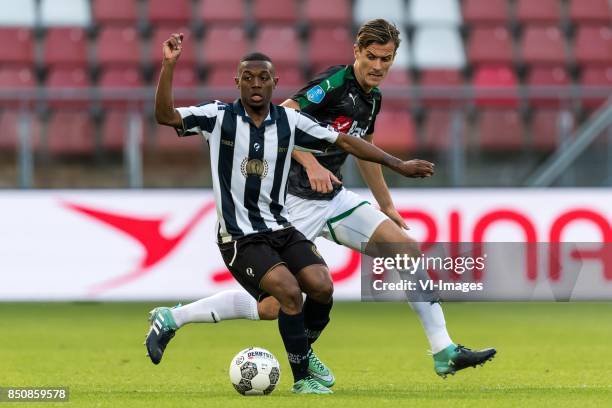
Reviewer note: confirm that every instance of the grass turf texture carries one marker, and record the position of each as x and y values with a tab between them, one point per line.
548	355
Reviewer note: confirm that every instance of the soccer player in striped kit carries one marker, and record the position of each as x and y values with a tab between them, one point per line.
251	142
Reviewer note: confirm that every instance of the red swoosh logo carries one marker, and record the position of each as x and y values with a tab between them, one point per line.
147	231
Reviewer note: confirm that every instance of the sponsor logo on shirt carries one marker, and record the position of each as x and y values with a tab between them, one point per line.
342	124
315	94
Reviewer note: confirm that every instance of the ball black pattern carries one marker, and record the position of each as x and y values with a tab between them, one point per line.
243	386
248	370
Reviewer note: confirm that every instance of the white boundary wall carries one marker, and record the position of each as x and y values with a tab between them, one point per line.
160	244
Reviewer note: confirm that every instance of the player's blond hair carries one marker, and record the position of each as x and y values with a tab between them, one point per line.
377	31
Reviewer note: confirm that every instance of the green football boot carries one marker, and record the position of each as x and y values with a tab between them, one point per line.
163	328
309	385
457	357
319	371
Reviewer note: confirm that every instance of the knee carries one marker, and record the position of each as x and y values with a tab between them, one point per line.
291	300
412	247
323	292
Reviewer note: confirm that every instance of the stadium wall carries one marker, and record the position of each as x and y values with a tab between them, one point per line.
160	244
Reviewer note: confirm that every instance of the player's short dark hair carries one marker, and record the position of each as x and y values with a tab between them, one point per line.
255	56
377	31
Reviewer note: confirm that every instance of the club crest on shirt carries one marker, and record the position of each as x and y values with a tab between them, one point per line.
254	167
315	94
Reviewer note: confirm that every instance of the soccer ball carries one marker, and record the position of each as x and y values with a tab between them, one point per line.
254	371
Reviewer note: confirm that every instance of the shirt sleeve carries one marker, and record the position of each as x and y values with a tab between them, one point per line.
198	120
315	96
312	136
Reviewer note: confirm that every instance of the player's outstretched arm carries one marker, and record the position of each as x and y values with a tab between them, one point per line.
165	114
367	151
373	177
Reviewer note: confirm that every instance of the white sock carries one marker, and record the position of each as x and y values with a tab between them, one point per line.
227	305
432	319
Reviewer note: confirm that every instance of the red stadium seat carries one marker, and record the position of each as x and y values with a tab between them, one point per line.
222	11
9	136
547	77
441	77
118	46
545	129
70	133
224	46
16	77
273	11
114	131
290	80
543	45
184	80
490	45
65	47
590	11
279	43
290	77
161	34
178	12
67	79
500	130
539	11
496	86
392	89
433	80
184	77
599	80
485	12
437	130
222	77
593	45
119	80
395	131
20	48
337	12
321	55
115	11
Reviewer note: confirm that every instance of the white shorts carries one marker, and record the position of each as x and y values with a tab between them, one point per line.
347	219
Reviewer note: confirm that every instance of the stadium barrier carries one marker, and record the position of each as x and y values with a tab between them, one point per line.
160	244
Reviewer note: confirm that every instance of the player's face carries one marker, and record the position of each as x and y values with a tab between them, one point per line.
372	63
256	82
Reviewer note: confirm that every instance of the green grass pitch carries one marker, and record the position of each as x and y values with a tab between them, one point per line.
548	355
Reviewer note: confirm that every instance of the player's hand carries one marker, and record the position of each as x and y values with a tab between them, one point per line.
395	216
321	179
416	168
173	47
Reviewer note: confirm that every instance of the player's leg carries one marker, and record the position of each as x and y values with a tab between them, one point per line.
448	356
302	255
355	223
164	321
281	284
430	314
315	281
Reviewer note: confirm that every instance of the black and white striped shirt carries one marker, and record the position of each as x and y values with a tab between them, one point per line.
250	165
